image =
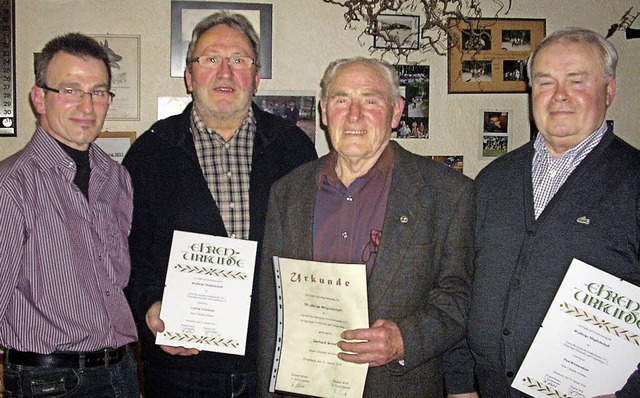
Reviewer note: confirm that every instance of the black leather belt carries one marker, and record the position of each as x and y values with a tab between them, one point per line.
109	356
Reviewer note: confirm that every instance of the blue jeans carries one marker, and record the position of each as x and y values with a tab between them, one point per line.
167	383
119	380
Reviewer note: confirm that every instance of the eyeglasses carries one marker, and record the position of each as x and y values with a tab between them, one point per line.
98	96
237	62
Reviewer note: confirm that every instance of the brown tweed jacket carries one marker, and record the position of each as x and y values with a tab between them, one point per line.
422	276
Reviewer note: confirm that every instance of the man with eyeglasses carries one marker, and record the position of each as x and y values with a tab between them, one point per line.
64	262
208	170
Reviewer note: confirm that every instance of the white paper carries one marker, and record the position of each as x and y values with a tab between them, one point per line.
316	303
207	293
589	342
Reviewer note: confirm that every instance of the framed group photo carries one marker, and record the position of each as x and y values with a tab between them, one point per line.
490	55
185	15
495	133
398	31
414	85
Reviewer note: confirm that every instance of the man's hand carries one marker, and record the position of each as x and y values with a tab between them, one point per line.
465	395
155	324
382	343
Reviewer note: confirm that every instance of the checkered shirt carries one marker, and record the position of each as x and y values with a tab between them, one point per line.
226	167
548	174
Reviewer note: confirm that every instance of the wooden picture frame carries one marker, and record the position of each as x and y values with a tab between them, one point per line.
186	14
490	55
398	31
116	143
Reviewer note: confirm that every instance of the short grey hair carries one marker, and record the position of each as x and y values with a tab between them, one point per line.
234	21
606	50
388	71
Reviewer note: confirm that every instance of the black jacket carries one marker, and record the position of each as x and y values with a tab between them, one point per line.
170	193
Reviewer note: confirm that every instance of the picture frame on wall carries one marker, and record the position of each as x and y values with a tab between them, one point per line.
124	58
398	31
495	132
116	143
491	54
297	107
185	15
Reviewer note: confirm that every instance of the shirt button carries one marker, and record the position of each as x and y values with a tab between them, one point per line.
233	236
349	199
345	235
99	257
553	173
226	146
506	332
108	293
531	233
232	205
509	374
229	174
515	283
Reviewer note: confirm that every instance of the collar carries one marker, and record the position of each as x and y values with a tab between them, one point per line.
328	170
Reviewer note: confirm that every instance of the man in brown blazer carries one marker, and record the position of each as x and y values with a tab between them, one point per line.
408	218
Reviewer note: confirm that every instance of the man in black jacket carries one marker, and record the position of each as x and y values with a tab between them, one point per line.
208	170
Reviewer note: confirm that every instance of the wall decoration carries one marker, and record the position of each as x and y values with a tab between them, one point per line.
116	143
185	15
299	108
624	24
124	56
491	55
7	70
401	31
414	81
496	133
455	162
435	34
169	106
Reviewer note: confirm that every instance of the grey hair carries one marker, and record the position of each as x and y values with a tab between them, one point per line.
234	21
606	50
387	70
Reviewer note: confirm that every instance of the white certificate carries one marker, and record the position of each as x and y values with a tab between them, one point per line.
207	293
589	341
316	303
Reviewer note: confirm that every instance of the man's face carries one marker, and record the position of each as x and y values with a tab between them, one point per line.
570	95
359	112
222	93
73	123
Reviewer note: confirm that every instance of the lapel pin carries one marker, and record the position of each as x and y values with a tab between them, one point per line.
583	220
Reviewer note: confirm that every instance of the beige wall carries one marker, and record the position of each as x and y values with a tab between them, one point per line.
307	34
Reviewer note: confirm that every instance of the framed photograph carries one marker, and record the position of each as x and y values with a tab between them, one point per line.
116	143
297	107
455	162
124	57
491	54
398	31
414	84
185	15
495	133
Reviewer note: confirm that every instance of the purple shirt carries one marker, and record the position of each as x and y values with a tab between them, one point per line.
347	222
64	260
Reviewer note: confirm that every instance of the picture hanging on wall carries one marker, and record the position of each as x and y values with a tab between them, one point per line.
297	107
491	54
185	15
414	83
398	31
124	58
495	132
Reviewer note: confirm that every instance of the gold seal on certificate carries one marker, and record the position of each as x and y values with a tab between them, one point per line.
207	293
316	303
589	341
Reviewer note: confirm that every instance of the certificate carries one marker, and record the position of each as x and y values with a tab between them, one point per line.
316	303
589	341
207	293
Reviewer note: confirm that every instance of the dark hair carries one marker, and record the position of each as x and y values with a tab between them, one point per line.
72	43
234	21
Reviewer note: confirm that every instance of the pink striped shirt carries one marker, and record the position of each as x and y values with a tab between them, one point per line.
63	260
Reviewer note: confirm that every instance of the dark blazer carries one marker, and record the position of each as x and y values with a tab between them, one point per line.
170	193
422	276
520	260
